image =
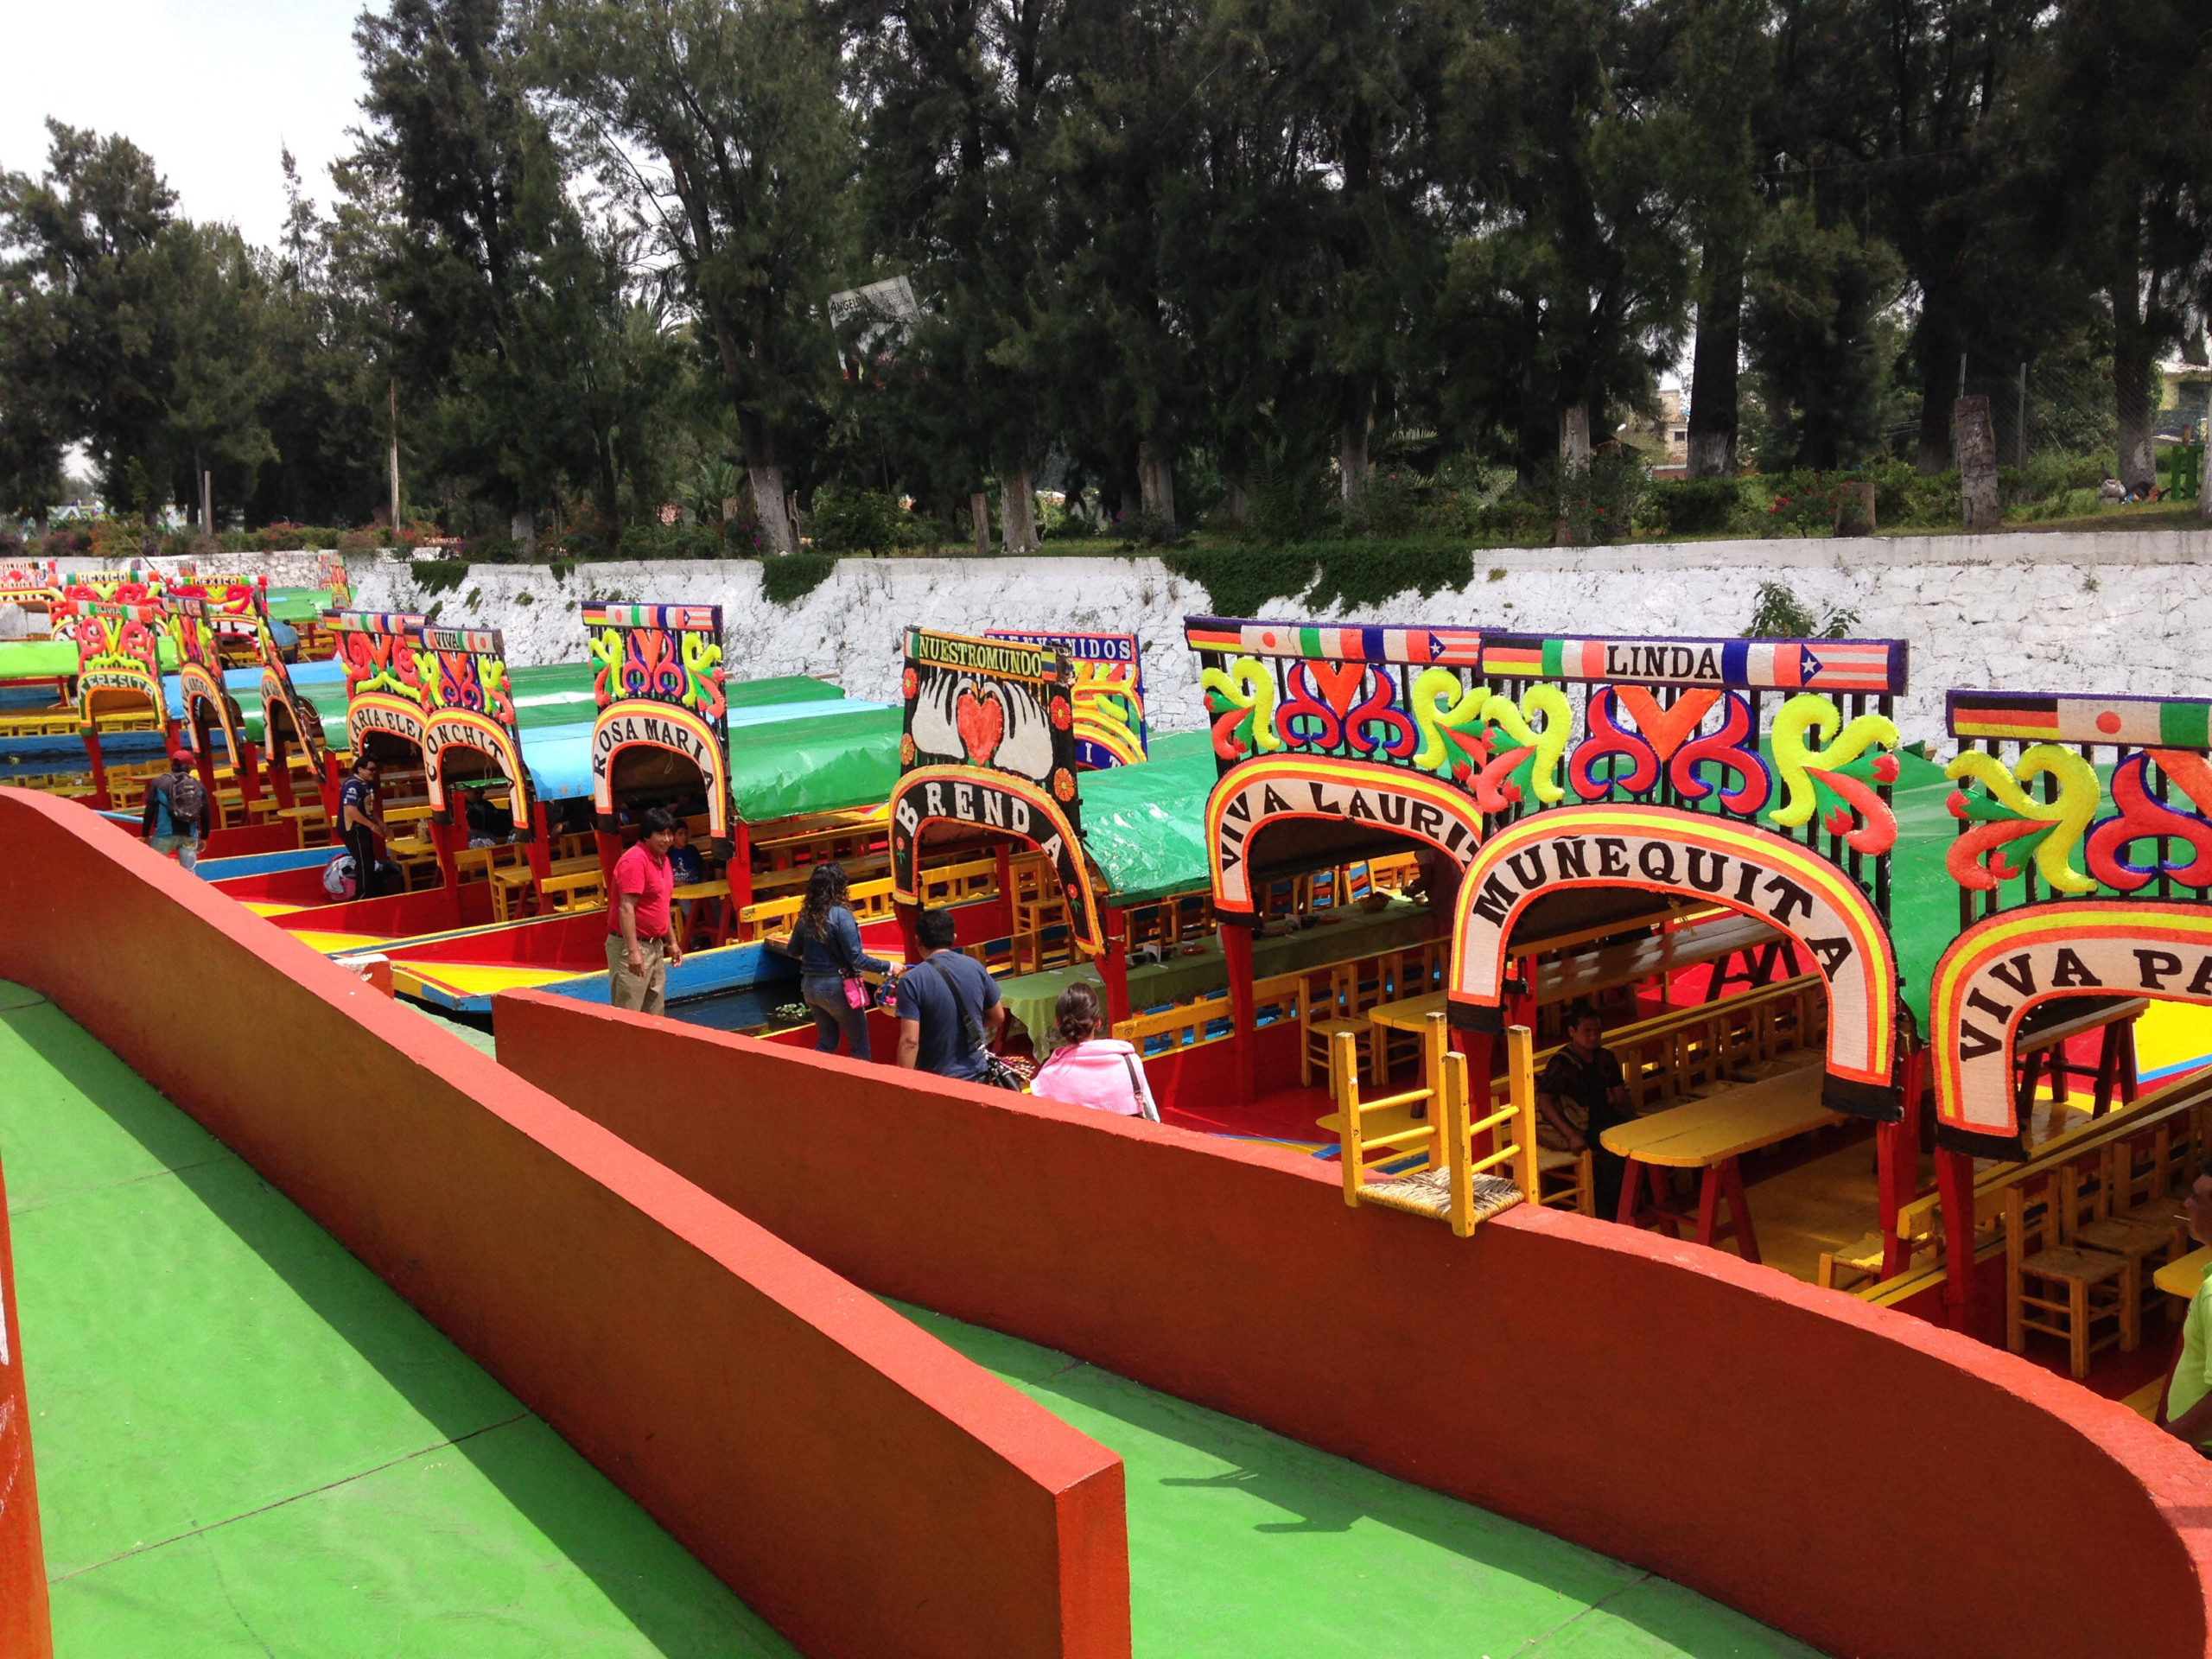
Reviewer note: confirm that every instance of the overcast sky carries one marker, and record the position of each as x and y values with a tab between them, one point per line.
211	89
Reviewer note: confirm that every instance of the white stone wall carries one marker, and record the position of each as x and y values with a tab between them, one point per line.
2112	612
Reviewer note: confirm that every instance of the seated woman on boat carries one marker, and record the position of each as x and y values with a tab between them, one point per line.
1087	1069
831	962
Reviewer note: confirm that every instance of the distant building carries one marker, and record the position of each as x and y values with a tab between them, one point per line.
1665	442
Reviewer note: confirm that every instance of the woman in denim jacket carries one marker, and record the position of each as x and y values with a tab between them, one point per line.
829	940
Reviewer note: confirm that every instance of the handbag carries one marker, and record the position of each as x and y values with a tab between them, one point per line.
859	995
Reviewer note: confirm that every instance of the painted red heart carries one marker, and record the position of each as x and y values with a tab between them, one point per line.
982	722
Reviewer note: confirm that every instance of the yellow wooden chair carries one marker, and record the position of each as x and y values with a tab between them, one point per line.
2063	1290
1334	1006
1565	1181
2095	1217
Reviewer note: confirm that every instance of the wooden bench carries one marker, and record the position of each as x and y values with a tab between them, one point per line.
1576	978
2185	1102
577	890
1186	1025
2176	1118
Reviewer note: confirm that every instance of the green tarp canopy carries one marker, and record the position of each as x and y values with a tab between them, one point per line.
1144	826
835	761
47	659
560	694
296	606
557	694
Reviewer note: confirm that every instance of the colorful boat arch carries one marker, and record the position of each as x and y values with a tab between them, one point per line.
1705	856
191	620
1274	789
468	706
384	686
2002	966
975	798
658	685
119	664
286	715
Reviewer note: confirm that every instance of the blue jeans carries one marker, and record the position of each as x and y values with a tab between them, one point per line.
187	848
825	999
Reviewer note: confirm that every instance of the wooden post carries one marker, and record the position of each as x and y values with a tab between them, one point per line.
279	766
442	840
206	504
1975	440
100	797
979	509
609	843
203	762
1521	1070
1954	1180
1113	966
741	874
539	850
246	764
1898	1151
1237	950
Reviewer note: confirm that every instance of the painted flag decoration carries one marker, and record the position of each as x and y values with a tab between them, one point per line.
2042	717
1333	642
1869	665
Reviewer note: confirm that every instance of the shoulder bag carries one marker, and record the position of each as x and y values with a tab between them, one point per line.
998	1071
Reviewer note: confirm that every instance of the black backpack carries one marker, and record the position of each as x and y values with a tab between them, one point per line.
188	800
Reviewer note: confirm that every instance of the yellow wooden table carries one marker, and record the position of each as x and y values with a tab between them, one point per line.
2181	1277
1410	1014
1710	1136
695	892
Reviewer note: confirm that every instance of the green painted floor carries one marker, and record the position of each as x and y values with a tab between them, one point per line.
248	1445
1244	1543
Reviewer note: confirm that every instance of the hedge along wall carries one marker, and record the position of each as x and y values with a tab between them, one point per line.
1869	1483
863	1487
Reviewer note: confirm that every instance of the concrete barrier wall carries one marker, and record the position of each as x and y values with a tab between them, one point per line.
26	1631
2018	610
1869	1483
863	1487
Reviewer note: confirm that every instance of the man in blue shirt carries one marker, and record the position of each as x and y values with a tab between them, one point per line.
684	858
360	828
948	1006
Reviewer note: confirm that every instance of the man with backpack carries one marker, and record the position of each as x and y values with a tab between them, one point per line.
178	814
948	1006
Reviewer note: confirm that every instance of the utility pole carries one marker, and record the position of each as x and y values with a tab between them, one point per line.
2024	417
392	404
206	503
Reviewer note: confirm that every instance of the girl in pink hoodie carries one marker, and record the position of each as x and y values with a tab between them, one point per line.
1104	1072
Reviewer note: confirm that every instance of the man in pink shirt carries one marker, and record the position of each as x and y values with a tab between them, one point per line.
643	945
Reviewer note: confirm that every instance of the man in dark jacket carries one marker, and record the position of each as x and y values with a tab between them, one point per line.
179	814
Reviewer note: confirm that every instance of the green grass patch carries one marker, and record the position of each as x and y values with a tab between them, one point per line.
438	575
1242	580
791	576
